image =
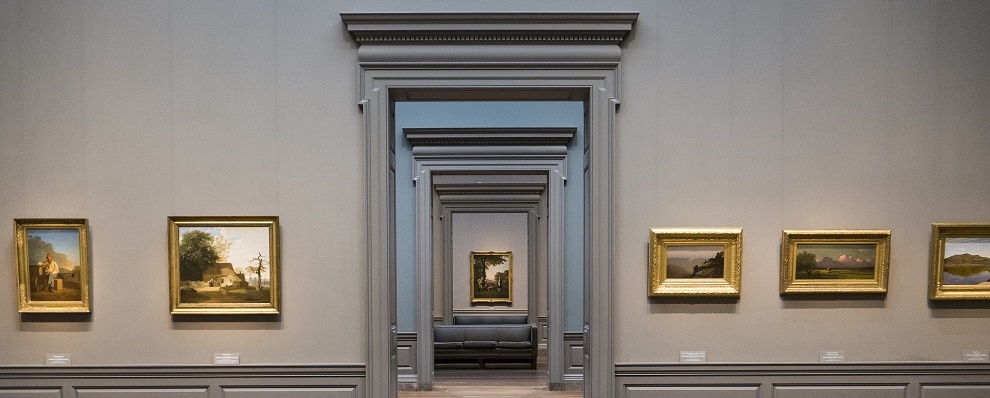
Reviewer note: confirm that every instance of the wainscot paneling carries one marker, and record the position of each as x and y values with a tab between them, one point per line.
406	357
847	380
574	358
182	381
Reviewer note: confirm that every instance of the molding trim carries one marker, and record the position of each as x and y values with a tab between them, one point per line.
803	369
490	28
475	136
183	371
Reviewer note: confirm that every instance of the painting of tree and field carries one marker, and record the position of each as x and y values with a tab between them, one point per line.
835	261
491	277
695	261
967	261
224	265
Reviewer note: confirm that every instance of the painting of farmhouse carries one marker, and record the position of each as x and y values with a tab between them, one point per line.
967	261
224	265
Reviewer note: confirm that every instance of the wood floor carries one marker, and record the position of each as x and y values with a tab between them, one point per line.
479	383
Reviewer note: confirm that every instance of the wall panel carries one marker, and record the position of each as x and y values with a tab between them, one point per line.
692	391
164	392
290	392
820	391
955	391
30	393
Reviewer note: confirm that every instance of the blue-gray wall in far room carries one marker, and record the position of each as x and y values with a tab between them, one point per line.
488	114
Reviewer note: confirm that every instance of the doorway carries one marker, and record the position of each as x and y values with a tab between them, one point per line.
522	56
479	159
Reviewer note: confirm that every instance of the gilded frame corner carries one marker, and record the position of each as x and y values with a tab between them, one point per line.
852	274
705	279
66	288
221	278
957	234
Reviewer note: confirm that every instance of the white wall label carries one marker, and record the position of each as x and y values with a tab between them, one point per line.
694	357
225	358
832	356
58	360
976	356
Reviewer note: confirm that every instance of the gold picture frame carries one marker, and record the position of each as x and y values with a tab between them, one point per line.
695	262
52	265
960	261
223	265
491	277
834	261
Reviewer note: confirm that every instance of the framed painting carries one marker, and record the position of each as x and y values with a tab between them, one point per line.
834	261
52	264
695	262
223	265
491	277
960	262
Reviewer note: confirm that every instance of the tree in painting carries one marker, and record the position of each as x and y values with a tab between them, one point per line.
258	269
484	262
196	252
806	262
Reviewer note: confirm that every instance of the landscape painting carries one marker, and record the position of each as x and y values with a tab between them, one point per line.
836	261
966	261
695	261
52	265
491	277
224	265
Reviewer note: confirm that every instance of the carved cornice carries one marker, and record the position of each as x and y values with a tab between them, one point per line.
489	135
490	28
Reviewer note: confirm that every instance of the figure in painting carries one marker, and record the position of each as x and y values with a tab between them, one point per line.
51	269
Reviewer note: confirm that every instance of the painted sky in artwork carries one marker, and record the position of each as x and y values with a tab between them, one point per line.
65	241
841	253
977	246
245	244
683	251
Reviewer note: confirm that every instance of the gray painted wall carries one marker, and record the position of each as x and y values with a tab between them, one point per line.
496	232
767	115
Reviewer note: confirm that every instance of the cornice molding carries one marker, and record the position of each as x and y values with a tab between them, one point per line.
446	136
489	27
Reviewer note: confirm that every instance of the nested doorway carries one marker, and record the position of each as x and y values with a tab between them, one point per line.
493	168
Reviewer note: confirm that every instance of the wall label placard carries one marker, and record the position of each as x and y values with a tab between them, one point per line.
832	356
58	360
694	357
976	356
226	358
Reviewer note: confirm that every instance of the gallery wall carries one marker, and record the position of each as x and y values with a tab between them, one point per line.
764	115
490	232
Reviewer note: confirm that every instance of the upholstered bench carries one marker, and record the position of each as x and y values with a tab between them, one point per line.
481	343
